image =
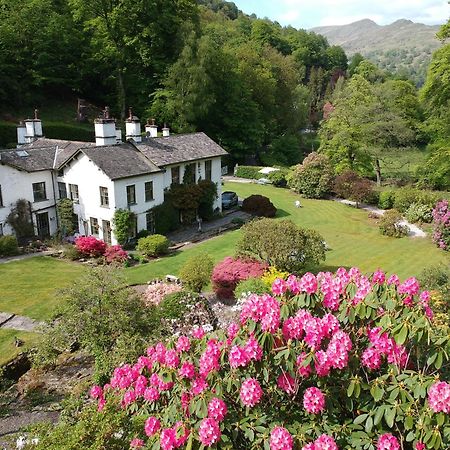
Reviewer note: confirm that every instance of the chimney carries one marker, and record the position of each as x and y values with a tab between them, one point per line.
133	127
166	131
33	128
21	132
118	134
151	130
105	129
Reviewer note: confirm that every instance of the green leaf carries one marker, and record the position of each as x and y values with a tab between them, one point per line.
350	389
379	414
409	422
360	419
402	335
410	436
369	424
438	363
389	416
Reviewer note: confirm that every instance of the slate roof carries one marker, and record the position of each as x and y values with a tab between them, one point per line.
180	148
120	161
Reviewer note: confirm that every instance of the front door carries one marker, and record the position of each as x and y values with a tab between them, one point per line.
43	225
106	225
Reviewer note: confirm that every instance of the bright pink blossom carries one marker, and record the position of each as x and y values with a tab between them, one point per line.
217	409
183	344
251	392
281	439
287	383
168	439
137	443
209	431
314	400
151	394
187	370
96	392
152	426
387	442
325	442
439	397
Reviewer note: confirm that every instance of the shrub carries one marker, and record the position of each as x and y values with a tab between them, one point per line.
437	280
64	208
313	178
196	272
71	252
386	199
353	187
419	213
166	217
143	233
335	361
90	246
8	245
249	286
251	172
123	223
229	272
157	291
389	224
272	274
278	178
116	254
281	243
406	196
441	225
259	205
154	245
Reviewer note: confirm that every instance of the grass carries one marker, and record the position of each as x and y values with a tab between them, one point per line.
7	348
29	287
353	238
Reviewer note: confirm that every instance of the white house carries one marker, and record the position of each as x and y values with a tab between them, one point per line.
102	177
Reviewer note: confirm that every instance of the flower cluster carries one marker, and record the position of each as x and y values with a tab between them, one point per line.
251	392
388	442
323	442
441	222
439	397
262	309
281	439
116	254
90	246
155	292
314	400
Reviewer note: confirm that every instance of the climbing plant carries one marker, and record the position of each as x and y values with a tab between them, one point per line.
20	220
123	223
65	214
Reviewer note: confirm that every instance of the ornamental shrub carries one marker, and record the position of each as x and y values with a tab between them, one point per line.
278	178
280	243
196	272
314	177
115	254
71	252
251	172
351	186
123	223
406	196
386	199
8	246
271	274
390	224
333	361
90	246
154	245
251	285
259	205
441	224
229	272
419	213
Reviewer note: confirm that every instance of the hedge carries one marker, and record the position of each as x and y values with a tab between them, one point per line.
249	172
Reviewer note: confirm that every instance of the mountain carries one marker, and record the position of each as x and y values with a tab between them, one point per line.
403	47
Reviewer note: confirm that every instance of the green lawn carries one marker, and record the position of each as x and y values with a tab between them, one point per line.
354	239
29	287
7	348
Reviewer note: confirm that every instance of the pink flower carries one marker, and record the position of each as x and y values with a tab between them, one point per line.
393	279
303	370
410	287
250	392
420	446
308	283
187	370
378	277
439	397
371	358
152	426
209	432
253	349
232	330
171	359
387	442
293	284
101	404
198	332
199	384
279	286
313	400
151	394
129	397
280	439
325	442
287	383
183	436
137	443
217	409
168	439
238	357
309	446
96	392
183	344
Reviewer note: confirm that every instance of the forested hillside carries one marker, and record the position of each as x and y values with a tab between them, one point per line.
402	47
249	83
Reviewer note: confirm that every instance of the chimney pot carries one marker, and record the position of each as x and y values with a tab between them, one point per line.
166	131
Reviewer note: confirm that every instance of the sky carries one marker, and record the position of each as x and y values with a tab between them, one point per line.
312	13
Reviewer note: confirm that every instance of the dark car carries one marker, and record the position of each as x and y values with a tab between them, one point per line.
229	199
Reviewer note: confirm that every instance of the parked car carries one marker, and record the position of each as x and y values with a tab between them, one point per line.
229	199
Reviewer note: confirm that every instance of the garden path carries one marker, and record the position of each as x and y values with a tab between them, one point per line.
26	256
414	230
20	323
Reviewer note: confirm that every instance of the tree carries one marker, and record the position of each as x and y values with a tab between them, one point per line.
357	58
280	243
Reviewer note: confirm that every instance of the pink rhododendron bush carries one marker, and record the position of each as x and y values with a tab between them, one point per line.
333	361
90	246
441	222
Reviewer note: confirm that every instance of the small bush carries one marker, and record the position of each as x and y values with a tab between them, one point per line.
238	221
156	292
251	285
8	246
386	199
390	224
196	272
71	252
90	246
353	187
272	274
167	218
116	254
251	172
419	213
258	205
406	196
441	224
229	272
154	245
278	178
143	233
437	278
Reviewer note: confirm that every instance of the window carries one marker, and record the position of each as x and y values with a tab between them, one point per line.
73	188
1	229
94	226
39	193
106	225
134	227
131	194
175	175
62	190
150	222
1	197
104	199
208	170
189	174
149	191
76	224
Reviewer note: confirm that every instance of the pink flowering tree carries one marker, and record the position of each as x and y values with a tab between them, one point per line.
332	361
441	222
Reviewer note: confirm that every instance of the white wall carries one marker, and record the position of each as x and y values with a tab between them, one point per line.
17	185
